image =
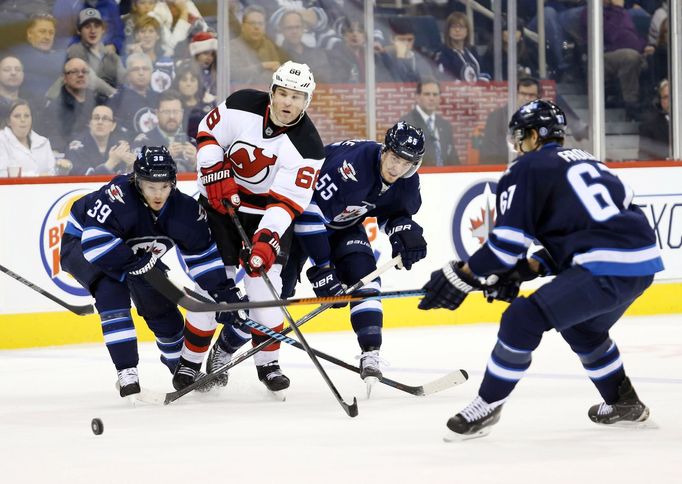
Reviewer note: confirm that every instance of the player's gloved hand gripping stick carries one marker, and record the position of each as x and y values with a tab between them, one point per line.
352	409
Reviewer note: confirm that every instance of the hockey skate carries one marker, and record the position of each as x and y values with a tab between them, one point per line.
128	382
185	375
474	421
627	411
274	380
370	371
217	358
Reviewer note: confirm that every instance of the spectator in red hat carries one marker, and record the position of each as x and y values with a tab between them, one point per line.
203	49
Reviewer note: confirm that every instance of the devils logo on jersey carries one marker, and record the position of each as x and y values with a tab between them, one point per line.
249	162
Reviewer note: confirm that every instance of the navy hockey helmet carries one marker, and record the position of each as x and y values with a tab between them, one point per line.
155	164
407	142
545	117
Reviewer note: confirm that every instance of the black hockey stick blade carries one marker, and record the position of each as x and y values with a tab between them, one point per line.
79	310
180	297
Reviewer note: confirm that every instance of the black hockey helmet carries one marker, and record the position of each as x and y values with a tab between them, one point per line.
545	117
407	142
155	164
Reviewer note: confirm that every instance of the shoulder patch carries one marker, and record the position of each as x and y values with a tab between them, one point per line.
115	194
347	171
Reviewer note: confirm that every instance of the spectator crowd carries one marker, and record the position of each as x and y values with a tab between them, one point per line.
84	84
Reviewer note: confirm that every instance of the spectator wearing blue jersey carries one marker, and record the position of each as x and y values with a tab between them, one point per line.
598	243
360	179
456	59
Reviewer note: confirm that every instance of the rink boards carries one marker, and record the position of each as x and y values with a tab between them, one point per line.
458	211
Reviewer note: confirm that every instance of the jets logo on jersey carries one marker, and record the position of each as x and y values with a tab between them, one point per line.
158	245
350	213
250	163
347	171
145	120
115	194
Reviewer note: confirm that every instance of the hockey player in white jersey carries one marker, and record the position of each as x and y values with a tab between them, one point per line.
259	153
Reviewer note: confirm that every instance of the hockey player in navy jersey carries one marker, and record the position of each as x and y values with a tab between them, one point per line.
361	179
260	153
599	245
119	232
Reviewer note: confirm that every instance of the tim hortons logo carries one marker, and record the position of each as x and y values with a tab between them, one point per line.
250	163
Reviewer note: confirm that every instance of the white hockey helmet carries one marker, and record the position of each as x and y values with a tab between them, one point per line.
298	77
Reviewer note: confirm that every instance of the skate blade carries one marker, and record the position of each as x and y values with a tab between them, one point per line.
451	436
370	381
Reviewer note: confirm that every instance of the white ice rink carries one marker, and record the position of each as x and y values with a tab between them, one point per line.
241	435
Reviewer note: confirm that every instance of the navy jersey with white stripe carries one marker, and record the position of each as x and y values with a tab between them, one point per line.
114	223
577	208
349	189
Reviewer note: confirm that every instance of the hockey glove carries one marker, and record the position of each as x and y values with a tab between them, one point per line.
144	263
230	294
448	287
263	253
506	286
406	239
220	186
325	283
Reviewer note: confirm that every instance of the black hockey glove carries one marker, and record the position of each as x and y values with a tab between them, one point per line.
229	294
325	283
448	287
144	263
406	239
507	285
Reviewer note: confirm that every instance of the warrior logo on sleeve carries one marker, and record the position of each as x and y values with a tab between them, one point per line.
250	163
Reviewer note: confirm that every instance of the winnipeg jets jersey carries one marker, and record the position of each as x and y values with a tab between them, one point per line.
349	189
113	223
274	167
577	208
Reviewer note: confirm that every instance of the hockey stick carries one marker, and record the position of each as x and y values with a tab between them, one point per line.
180	297
173	396
453	378
79	310
352	409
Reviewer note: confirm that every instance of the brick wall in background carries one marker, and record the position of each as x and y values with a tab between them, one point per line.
339	110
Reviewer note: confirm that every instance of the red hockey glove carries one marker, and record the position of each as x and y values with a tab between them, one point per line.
220	186
263	253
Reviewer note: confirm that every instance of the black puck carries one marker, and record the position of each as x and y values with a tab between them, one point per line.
97	426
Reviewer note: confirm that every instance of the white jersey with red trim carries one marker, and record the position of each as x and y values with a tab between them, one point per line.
274	167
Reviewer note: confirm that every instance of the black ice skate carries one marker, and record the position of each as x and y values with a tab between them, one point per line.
217	358
370	370
271	376
128	382
185	375
474	421
627	410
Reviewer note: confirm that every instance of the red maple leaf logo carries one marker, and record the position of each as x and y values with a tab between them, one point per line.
481	227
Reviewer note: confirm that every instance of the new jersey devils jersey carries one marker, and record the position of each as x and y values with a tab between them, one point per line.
274	167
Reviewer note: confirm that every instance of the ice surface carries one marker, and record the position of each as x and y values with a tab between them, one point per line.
241	434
